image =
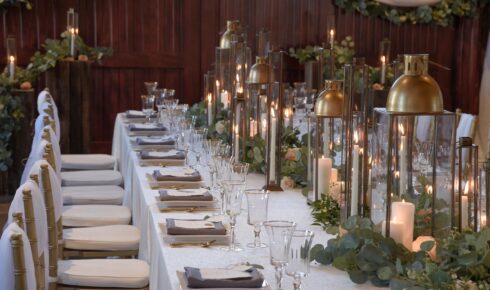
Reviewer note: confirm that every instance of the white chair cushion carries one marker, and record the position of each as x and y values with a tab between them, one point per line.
114	273
105	238
97	194
95	215
91	177
87	161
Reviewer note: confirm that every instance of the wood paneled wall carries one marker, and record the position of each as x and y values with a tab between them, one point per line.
173	41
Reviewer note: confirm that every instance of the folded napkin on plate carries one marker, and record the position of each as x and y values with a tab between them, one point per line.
223	278
195	227
133	114
146	127
155	141
199	194
172	154
176	176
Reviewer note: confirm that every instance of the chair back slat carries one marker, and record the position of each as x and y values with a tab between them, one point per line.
20	275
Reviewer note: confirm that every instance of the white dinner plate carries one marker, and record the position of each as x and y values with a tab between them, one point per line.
161	162
183	284
219	239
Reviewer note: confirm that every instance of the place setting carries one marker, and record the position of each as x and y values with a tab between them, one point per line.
153	143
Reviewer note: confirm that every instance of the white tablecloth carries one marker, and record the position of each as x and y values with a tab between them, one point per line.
165	261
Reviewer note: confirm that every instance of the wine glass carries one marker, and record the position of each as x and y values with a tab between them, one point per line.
233	195
299	256
150	87
257	203
280	234
147	107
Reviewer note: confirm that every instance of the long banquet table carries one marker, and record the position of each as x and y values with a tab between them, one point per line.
165	261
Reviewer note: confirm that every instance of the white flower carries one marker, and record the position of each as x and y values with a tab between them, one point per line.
287	182
220	127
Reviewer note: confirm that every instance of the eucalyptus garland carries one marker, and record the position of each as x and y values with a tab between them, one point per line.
4	4
442	13
457	261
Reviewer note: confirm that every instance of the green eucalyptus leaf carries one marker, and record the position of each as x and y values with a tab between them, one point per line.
315	251
324	257
439	277
468	259
400	284
385	273
427	245
358	276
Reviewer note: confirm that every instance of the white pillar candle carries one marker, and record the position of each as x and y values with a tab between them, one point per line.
396	231
253	127
355	178
72	41
225	99
403	162
324	174
263	128
334	175
237	144
272	149
464	212
210	109
331	37
11	62
383	69
404	213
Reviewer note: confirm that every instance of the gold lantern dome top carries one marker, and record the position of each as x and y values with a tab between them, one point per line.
415	91
260	72
229	35
330	101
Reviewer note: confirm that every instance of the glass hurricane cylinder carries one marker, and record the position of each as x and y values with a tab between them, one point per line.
467	188
209	96
413	158
11	57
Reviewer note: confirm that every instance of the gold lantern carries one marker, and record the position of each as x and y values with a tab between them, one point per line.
229	35
410	172
326	150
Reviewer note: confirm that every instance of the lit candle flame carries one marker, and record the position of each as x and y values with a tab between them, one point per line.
240	90
383	59
370	161
330	146
397	174
12	59
210	98
217	83
332	33
236	129
467	188
356	137
429	189
273	112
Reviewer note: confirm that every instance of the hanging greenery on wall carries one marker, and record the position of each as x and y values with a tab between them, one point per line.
443	13
11	109
4	4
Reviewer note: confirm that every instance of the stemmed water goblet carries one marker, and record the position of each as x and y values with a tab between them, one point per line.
233	196
280	234
299	256
257	204
148	102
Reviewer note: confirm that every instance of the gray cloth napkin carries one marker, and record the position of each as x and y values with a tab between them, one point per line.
219	229
138	116
179	155
142	141
194	280
195	176
164	196
135	128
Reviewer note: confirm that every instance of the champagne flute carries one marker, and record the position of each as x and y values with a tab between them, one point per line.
257	203
159	97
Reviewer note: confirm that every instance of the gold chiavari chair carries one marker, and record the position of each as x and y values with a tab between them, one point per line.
19	262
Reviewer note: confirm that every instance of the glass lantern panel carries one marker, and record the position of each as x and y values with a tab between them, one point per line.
412	169
466	183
